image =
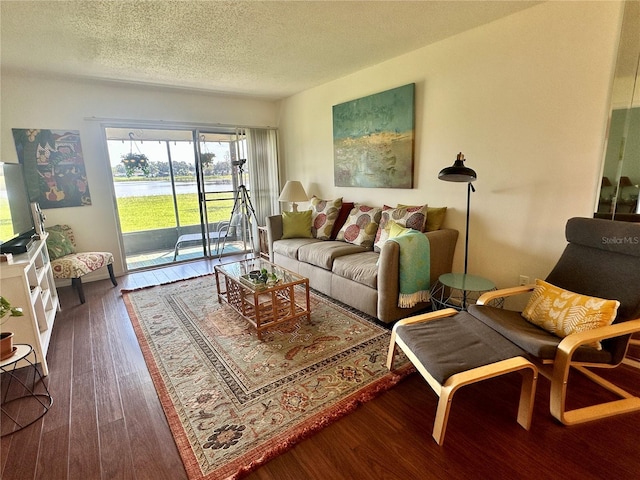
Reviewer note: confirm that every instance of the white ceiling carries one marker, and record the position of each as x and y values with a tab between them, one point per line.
270	49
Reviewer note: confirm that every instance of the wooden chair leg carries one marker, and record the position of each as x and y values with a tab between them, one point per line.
111	275
77	284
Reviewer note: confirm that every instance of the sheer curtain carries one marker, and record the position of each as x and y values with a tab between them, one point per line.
262	156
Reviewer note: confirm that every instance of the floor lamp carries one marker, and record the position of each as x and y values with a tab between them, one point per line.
459	173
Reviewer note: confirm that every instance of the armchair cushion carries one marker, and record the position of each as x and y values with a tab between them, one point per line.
75	265
60	241
563	312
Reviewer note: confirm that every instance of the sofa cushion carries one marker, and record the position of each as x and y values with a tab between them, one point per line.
534	340
359	267
296	224
323	253
324	214
289	247
361	226
563	312
411	217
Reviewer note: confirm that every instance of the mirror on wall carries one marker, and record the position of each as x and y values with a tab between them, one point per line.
620	185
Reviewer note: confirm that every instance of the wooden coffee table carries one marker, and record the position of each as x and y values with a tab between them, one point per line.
263	304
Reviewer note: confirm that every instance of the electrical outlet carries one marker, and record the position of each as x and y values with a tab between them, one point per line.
524	280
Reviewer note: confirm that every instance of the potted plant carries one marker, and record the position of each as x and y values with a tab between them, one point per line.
6	338
134	162
206	159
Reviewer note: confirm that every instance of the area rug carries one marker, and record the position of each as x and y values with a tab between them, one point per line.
233	402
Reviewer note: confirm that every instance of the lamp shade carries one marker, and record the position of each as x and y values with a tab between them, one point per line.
293	191
458	172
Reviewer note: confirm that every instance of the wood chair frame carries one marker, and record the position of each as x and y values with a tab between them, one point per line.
557	370
446	391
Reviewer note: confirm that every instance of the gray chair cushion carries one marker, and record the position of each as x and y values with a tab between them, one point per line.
532	339
602	260
359	267
456	344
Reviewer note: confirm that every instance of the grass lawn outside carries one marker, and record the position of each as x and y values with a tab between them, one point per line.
156	211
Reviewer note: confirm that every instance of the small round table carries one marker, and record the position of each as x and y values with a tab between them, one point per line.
459	290
34	392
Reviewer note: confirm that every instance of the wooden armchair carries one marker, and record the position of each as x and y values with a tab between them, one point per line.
66	262
602	259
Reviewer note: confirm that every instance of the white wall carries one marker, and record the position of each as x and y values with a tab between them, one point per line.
525	98
37	102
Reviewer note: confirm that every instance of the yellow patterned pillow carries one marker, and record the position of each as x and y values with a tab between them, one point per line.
562	312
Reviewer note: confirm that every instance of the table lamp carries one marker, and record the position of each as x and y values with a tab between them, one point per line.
293	192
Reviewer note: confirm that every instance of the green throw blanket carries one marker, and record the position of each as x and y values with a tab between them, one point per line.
415	269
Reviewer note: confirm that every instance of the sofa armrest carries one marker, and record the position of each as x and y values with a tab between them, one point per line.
442	246
274	232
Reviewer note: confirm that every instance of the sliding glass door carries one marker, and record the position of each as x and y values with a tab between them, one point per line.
175	191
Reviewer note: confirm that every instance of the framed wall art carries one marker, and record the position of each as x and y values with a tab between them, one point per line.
53	166
373	140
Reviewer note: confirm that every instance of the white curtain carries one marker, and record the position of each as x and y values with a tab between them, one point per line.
262	155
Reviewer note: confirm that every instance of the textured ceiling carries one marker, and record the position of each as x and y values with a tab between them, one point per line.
270	49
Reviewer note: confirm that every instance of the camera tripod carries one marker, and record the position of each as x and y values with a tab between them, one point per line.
242	209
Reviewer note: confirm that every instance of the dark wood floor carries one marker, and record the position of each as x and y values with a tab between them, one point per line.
107	423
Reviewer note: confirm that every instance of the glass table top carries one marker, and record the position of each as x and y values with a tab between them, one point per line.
470	283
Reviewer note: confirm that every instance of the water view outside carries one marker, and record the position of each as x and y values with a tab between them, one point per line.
148	203
157	209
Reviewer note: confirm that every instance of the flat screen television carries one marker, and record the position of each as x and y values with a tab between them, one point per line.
16	220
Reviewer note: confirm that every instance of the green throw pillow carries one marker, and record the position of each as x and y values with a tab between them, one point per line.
435	218
296	224
58	243
395	229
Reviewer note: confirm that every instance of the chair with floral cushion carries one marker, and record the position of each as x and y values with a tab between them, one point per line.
66	262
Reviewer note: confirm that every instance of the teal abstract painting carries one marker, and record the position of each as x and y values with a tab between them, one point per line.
373	140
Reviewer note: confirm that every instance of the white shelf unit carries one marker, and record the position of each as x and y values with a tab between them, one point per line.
27	282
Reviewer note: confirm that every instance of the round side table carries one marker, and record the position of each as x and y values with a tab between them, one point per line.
34	391
459	290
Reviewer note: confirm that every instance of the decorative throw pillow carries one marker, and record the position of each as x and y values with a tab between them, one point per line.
435	218
342	217
324	214
562	312
361	226
407	216
59	241
395	229
296	224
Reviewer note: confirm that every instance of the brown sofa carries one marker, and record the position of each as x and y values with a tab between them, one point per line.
357	276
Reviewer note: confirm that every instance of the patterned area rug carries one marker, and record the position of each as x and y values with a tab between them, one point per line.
234	402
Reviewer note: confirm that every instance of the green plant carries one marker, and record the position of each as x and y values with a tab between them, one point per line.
6	308
206	159
134	162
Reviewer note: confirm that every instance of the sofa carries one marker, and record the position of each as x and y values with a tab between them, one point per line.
362	274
